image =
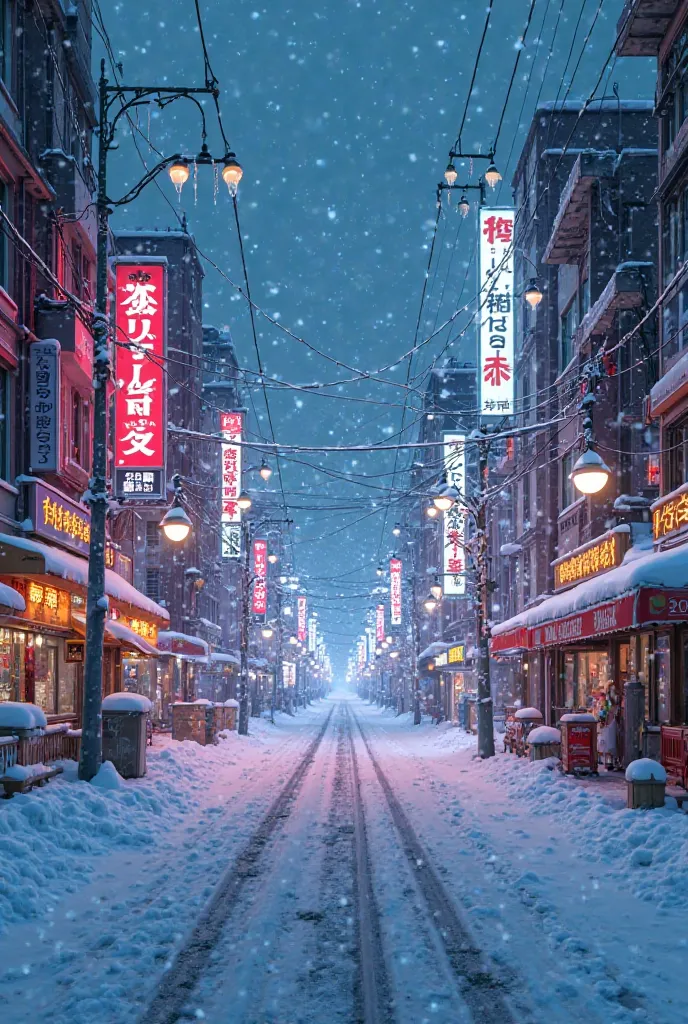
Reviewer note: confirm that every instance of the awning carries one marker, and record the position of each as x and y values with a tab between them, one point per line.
642	27
435	648
11	599
22	557
122	634
221	658
627	288
570	229
181	645
647	589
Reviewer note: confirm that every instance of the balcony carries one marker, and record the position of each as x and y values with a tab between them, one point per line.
627	288
571	225
643	25
71	191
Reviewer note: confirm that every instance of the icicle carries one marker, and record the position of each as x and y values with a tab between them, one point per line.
149	129
216	184
195	181
470	168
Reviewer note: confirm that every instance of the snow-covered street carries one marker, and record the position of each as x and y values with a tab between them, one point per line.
246	883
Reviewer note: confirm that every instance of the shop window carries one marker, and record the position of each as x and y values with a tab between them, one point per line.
676	447
45	675
153	584
663	678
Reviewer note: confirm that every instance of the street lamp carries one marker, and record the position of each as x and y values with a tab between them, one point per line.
590	473
179	172
272	558
232	173
267	631
394	654
265	471
380	571
432	511
176	524
429	604
293	640
446	498
244	501
532	294
492	175
396	531
436	590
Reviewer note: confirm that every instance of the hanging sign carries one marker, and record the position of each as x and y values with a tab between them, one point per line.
260	573
140	427
312	635
395	591
496	312
301	606
230	516
361	647
592	559
380	623
454	525
289	673
44	406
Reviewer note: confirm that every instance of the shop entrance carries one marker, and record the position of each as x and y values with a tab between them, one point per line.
586	679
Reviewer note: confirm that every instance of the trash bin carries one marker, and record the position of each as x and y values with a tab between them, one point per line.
578	743
124	733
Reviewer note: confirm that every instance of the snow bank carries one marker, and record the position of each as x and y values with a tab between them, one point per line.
544	734
528	713
126	702
21	772
108	777
644	770
16	715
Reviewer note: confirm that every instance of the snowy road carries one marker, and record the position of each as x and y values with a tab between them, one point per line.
343	866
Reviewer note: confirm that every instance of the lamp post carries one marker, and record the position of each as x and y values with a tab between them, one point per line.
129	97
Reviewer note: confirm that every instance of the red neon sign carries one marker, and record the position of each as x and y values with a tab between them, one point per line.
260	573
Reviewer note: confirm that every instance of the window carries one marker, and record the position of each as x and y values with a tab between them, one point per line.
80	439
676	446
76	267
5	41
569	323
152	537
568	491
674	79
153	584
526	502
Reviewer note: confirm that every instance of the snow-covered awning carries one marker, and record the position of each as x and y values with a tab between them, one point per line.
627	288
181	645
224	659
11	599
435	648
124	636
20	556
648	588
570	229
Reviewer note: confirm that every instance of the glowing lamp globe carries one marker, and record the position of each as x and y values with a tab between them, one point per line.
179	173
436	590
396	532
590	473
394	654
532	294
464	206
232	173
267	632
176	525
429	604
492	176
293	640
432	512
451	174
272	558
446	498
265	471
244	501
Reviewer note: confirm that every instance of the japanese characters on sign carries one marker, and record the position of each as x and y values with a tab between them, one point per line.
231	424
260	574
312	634
497	312
603	554
44	406
454	525
301	606
670	514
361	648
45	604
289	673
140	427
59	519
380	623
456	655
395	591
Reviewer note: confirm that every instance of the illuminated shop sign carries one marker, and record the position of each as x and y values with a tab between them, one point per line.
496	312
670	514
395	591
456	655
45	604
593	559
230	455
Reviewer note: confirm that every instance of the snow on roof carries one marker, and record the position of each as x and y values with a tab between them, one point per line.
664	569
74	568
166	635
125	701
595	106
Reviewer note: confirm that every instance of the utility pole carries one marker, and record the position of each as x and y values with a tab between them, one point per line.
128	97
486	746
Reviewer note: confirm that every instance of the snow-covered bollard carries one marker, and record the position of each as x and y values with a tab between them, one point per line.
543	742
645	783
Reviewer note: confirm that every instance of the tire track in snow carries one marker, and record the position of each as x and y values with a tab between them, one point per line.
168	1003
478	987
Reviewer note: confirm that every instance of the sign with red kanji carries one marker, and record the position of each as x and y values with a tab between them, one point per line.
260	577
380	623
140	422
301	608
395	591
454	580
496	312
230	452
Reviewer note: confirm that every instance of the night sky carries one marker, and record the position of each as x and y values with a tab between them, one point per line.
342	114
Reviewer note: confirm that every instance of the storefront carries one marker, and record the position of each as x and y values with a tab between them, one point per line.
630	621
218	680
458	680
183	658
42	636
